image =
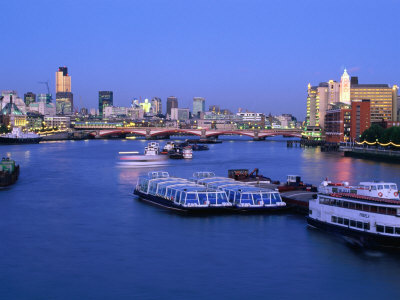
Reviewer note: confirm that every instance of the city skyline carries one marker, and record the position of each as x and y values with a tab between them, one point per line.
268	52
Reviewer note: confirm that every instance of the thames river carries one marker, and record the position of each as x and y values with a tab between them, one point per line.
71	229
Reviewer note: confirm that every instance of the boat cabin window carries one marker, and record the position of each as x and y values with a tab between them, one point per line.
393	187
387	186
352	223
257	197
246	198
389	229
366	226
221	198
334	219
202	198
380	187
346	222
397	230
275	198
379	228
340	220
191	198
373	187
266	197
212	197
359	224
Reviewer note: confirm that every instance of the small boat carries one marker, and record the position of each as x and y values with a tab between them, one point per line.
367	213
18	137
244	198
169	146
151	157
176	153
9	172
180	194
196	147
187	152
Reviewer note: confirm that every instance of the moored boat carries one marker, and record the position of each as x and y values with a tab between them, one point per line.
244	198
367	214
18	137
180	194
9	172
187	152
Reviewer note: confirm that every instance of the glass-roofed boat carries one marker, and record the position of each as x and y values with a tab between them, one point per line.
242	196
180	194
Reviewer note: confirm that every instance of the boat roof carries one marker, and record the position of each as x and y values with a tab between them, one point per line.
377	183
365	198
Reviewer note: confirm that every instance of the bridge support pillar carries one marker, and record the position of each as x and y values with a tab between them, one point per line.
148	134
256	137
203	134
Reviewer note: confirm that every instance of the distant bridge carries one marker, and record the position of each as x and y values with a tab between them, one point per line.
154	132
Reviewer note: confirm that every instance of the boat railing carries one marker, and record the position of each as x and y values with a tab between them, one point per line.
158	174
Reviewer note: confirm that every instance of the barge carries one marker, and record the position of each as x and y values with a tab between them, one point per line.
9	172
181	195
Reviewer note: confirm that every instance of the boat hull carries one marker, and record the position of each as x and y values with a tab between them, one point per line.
362	237
7	179
167	204
17	141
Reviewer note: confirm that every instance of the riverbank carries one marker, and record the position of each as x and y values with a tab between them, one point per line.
391	156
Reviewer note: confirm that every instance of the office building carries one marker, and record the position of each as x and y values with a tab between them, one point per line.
64	96
46	98
146	105
199	106
172	102
64	103
29	98
383	100
106	98
156	106
181	114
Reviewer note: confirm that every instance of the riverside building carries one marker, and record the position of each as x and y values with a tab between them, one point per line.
383	99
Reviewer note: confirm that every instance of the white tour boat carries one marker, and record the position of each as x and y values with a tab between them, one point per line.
368	213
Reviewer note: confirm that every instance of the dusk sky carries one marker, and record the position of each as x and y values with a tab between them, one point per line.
258	55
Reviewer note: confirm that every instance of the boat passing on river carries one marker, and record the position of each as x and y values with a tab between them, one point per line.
243	197
180	194
368	214
16	136
151	157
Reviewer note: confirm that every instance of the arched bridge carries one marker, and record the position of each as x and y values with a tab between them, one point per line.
153	132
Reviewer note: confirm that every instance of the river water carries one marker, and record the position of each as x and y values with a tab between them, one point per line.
71	229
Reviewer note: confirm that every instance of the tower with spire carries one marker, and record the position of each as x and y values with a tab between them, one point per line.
345	88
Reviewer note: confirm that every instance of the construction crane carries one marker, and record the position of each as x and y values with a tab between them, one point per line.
47	85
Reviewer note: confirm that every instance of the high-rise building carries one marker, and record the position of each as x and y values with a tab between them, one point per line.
156	106
63	80
146	106
29	98
338	123
64	103
199	106
383	100
172	102
345	88
64	96
106	98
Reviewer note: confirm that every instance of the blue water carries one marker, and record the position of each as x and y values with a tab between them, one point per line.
71	229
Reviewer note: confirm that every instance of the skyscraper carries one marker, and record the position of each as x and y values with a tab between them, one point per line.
172	102
199	106
156	106
106	98
64	96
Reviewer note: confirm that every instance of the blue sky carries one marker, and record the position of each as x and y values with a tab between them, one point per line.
258	55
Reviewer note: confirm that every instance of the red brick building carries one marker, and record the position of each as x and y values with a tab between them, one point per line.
338	123
360	117
344	122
